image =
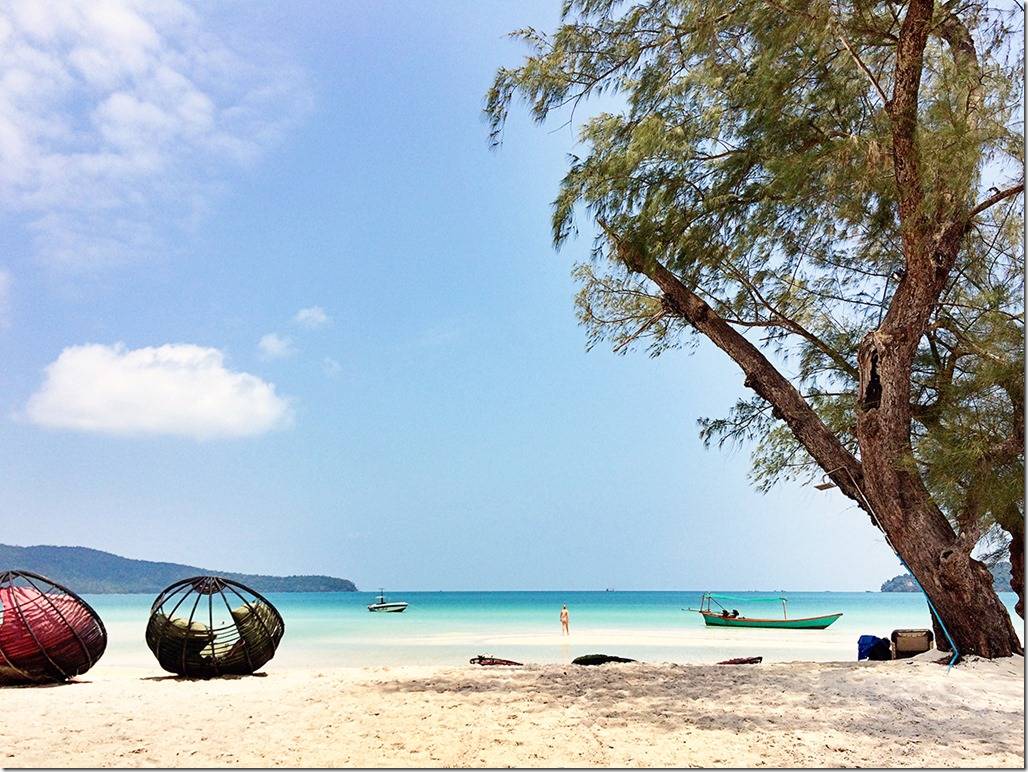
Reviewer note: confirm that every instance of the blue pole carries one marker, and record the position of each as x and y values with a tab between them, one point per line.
956	651
935	613
878	524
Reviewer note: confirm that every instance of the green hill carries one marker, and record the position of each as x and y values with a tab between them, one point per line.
906	583
87	571
901	583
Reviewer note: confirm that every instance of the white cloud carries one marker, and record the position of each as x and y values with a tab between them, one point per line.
275	346
312	317
115	114
177	389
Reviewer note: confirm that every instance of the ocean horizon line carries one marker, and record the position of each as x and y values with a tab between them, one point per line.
566	590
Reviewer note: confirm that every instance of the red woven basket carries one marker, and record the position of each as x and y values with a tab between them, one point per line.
47	632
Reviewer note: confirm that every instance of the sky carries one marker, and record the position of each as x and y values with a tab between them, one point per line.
270	303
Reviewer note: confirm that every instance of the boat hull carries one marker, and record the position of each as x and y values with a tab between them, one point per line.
806	623
389	608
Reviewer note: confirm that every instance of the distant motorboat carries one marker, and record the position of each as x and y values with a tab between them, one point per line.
726	618
389	606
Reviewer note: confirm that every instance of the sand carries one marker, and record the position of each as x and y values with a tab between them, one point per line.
902	713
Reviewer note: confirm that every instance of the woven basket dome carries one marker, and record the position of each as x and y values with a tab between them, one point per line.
47	632
209	626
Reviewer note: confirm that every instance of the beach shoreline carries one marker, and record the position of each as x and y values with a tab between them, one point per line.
901	713
336	630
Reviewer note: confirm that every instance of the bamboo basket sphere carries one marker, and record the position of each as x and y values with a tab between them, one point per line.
47	632
209	626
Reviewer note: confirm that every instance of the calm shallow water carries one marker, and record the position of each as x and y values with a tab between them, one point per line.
336	630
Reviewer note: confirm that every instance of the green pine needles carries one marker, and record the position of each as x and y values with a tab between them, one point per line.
751	152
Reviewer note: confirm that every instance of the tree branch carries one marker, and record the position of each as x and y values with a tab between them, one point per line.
994	199
867	72
902	109
792	325
958	37
761	376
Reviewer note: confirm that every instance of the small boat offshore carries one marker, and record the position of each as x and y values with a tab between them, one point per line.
389	606
723	616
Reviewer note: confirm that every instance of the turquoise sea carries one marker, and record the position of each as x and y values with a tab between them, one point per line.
336	630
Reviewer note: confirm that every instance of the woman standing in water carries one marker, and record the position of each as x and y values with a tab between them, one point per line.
564	620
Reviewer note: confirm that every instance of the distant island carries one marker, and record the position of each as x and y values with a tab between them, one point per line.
88	571
906	583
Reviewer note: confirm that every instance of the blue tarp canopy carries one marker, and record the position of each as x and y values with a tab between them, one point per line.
776	599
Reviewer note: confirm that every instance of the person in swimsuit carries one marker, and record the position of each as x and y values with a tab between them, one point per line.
564	621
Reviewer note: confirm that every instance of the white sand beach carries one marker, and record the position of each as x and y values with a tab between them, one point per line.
902	713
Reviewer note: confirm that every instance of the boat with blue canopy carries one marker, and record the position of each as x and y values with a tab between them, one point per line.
724	616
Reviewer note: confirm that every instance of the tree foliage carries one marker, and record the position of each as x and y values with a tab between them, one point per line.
751	152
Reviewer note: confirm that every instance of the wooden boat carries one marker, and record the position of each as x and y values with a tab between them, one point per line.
713	619
389	606
732	618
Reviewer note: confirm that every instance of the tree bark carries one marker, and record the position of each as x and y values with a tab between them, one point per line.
1017	565
958	586
941	642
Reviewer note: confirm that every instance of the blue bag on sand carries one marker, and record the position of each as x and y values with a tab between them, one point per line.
865	644
874	648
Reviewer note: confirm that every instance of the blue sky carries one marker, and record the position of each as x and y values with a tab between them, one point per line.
269	303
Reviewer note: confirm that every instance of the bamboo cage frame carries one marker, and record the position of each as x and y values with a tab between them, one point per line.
244	639
48	633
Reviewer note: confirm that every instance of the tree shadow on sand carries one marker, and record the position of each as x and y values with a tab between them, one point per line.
861	701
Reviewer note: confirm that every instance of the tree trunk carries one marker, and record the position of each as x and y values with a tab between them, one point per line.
973	614
941	641
959	586
1017	565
